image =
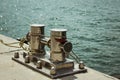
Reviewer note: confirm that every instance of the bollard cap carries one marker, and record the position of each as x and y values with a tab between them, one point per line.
37	25
58	33
59	30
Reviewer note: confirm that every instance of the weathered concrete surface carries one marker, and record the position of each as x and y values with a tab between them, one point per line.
10	70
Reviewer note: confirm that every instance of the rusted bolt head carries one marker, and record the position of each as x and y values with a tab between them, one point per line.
39	65
81	65
16	55
52	71
27	59
24	54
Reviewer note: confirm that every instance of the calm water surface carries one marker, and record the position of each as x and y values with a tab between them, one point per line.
93	26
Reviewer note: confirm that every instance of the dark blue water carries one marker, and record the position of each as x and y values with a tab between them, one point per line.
93	26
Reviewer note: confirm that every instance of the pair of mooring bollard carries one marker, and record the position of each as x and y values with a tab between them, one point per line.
58	63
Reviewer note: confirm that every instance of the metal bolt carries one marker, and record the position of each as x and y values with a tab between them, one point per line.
27	59
33	59
24	54
16	55
53	71
39	65
81	65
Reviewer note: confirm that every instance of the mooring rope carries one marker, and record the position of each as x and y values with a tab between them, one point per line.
21	44
9	44
74	56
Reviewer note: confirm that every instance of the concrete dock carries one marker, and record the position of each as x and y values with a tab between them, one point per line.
10	70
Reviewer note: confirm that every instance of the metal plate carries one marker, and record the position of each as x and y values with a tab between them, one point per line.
46	71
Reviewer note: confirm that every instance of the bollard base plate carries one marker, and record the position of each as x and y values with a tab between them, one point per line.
46	71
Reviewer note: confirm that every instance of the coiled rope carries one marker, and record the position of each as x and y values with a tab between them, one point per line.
21	44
